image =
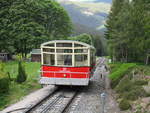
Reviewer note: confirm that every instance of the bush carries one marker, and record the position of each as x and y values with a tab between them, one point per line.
124	85
140	82
119	73
135	93
4	80
22	76
124	104
122	70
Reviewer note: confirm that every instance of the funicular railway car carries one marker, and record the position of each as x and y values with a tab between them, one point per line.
66	62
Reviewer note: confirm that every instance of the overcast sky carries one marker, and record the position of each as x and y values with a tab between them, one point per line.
88	0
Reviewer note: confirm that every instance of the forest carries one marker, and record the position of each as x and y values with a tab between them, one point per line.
128	30
25	24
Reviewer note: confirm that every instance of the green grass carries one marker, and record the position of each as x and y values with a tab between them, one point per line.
120	70
144	68
122	82
32	69
17	91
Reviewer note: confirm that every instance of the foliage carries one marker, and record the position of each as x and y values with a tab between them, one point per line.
100	44
119	73
144	68
25	24
4	80
125	85
135	93
17	91
129	89
86	38
124	104
140	82
22	76
114	66
128	30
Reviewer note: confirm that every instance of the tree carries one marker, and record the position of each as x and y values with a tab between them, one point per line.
112	27
28	23
100	44
22	76
128	30
86	38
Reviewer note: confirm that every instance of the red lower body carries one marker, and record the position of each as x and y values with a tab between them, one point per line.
65	75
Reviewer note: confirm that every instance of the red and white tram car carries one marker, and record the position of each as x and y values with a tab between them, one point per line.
66	62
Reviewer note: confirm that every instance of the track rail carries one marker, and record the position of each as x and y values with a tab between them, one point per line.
56	103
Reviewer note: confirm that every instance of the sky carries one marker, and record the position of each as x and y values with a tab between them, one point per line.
83	0
89	0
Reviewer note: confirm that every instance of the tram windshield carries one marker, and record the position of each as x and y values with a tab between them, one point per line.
64	60
81	60
69	53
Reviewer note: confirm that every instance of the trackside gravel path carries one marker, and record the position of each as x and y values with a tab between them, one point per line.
89	100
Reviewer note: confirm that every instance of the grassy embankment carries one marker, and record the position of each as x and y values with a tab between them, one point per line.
17	91
127	79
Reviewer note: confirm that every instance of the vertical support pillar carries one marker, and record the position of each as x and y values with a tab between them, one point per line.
89	57
73	55
55	54
41	55
42	60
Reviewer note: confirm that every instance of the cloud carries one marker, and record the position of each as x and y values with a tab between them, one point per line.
88	13
80	0
90	6
95	7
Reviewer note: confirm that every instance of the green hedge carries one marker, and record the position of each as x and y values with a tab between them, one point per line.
116	75
121	70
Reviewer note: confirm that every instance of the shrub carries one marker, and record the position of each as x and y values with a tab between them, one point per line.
135	93
124	85
119	73
140	82
22	76
4	80
124	104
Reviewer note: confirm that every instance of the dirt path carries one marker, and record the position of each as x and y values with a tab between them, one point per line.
90	99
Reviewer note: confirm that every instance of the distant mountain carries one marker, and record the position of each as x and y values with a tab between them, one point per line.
107	1
88	15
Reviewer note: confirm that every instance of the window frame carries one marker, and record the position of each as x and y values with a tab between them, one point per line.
88	53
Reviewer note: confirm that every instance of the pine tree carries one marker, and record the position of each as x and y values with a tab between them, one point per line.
22	76
128	30
112	26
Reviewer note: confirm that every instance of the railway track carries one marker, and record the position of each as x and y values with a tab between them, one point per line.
59	101
55	103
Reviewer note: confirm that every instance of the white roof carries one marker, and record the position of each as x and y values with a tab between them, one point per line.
67	41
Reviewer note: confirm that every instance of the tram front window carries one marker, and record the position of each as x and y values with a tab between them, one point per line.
81	60
64	60
49	59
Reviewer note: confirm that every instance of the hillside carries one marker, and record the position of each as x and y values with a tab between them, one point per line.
91	14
